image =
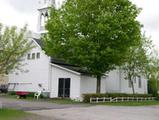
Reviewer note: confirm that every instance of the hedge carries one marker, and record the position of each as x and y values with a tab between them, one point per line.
11	93
153	86
86	97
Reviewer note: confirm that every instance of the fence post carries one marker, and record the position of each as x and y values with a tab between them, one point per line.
127	98
90	100
104	99
97	100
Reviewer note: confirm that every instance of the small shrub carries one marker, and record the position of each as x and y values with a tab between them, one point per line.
31	94
157	98
43	95
113	95
11	93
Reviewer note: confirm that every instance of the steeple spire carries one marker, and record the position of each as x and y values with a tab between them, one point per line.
43	14
46	3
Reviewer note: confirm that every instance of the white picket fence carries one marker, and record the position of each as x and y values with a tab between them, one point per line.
120	99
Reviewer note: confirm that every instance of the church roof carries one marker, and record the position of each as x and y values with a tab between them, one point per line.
68	66
38	41
61	62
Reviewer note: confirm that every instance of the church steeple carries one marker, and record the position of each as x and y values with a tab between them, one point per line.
43	14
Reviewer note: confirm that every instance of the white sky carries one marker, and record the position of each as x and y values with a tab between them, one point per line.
20	12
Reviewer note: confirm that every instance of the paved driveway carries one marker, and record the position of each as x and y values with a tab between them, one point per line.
82	112
25	105
103	113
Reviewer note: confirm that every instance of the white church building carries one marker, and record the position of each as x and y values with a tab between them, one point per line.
57	79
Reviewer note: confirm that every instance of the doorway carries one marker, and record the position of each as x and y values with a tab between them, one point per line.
64	87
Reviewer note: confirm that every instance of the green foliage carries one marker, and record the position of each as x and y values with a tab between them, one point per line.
86	97
137	60
31	94
157	97
13	46
153	66
11	93
64	101
153	87
94	35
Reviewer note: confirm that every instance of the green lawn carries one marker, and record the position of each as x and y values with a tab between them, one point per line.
143	103
54	100
8	114
68	101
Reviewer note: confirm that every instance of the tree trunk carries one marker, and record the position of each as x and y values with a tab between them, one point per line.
98	84
132	85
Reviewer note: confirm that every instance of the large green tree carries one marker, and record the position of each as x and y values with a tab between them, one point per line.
13	47
93	34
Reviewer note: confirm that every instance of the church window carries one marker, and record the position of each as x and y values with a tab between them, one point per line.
28	56
135	79
38	55
139	78
42	19
129	83
46	14
33	55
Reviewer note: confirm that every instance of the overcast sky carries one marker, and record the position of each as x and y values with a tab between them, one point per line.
20	12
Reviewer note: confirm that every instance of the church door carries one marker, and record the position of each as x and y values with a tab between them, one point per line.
64	87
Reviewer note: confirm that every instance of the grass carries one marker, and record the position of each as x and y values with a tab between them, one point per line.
52	100
68	101
9	114
65	101
134	103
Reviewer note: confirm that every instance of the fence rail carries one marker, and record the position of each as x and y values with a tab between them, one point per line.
120	99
